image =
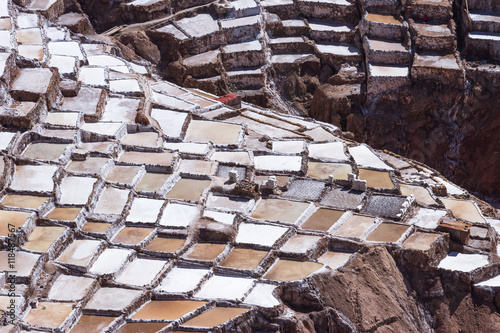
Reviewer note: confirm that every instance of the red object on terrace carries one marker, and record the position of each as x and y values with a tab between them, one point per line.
231	100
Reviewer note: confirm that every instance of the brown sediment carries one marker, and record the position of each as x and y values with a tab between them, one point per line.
132	235
383	19
152	182
63	214
244	258
205	251
420	241
96	227
324	170
25	201
165	244
49	314
387	232
88	323
215	317
291	270
188	189
42	238
141	327
322	219
166	310
11	217
376	179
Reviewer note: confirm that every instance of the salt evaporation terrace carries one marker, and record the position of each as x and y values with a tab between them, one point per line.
139	205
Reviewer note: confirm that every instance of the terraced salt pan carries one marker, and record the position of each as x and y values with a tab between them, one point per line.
171	122
239	157
322	219
338	49
64	289
132	235
144	210
181	280
141	139
93	76
121	109
136	157
16	218
427	218
42	238
334	259
123	174
44	151
463	209
141	272
63	213
279	210
214	317
23	201
188	189
67	48
103	128
114	299
166	310
354	226
278	163
218	133
152	182
387	19
447	61
125	86
196	167
389	71
328	151
364	156
178	215
325	170
300	243
376	179
112	201
291	270
66	65
225	218
254	45
92	165
463	262
88	323
24	265
259	234
6	139
63	118
49	314
387	232
79	252
226	287
262	295
205	251
104	60
493	282
188	147
199	25
288	147
165	244
420	241
421	194
172	102
36	178
110	260
242	258
76	190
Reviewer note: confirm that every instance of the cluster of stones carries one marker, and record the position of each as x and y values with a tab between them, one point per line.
136	204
